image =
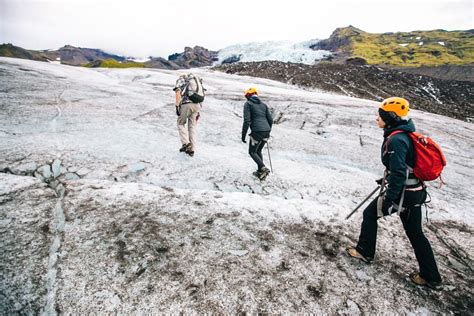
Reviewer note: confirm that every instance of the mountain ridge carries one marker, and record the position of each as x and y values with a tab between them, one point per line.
432	48
196	56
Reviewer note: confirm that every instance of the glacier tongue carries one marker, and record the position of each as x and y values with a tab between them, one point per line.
285	51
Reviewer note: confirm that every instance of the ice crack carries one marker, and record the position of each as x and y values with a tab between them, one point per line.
58	229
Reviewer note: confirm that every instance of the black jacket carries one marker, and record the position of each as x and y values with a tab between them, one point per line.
397	153
257	116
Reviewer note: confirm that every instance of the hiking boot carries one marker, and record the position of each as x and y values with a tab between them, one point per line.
190	152
418	280
352	252
184	147
263	173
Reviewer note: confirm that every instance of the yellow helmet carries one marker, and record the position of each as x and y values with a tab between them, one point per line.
397	105
251	91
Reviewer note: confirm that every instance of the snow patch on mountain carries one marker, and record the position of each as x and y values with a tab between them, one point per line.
139	59
285	51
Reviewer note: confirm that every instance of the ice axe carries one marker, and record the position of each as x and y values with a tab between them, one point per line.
269	157
361	203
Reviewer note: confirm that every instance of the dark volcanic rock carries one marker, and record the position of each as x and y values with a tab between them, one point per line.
194	57
358	61
232	59
446	97
161	63
451	72
339	39
331	44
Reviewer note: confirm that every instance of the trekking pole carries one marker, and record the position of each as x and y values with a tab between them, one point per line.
361	203
269	158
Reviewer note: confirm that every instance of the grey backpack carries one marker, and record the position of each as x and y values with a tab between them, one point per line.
194	89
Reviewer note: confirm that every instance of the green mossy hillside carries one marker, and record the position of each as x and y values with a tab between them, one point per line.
6	50
112	63
410	49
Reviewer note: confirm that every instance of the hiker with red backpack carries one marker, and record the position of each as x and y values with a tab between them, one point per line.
400	191
258	118
189	94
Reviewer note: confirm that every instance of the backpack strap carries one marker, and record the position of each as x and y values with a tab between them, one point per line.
398	131
184	91
408	181
186	85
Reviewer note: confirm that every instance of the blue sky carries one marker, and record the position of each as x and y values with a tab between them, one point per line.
142	28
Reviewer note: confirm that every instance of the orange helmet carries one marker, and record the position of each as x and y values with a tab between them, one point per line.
251	91
399	106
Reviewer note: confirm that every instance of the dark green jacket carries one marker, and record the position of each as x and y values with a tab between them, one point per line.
397	154
257	116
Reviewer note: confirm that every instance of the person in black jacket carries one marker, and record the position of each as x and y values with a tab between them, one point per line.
402	188
257	116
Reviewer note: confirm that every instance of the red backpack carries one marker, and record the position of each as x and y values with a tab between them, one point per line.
429	158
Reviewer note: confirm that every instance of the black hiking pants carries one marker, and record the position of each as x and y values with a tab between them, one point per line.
256	144
411	219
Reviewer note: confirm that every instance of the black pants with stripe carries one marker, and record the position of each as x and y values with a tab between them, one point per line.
256	144
411	219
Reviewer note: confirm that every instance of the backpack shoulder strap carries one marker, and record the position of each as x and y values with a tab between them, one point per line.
398	131
387	140
186	84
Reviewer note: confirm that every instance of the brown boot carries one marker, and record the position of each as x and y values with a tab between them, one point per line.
352	252
418	280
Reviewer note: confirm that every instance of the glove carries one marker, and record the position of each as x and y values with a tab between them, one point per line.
198	116
379	181
177	111
243	139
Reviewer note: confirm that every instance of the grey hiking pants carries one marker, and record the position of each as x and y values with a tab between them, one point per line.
188	115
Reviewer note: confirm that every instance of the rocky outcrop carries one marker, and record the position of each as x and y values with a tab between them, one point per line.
339	41
161	63
76	56
446	97
194	57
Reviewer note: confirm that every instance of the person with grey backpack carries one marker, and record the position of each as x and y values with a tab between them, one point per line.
189	94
